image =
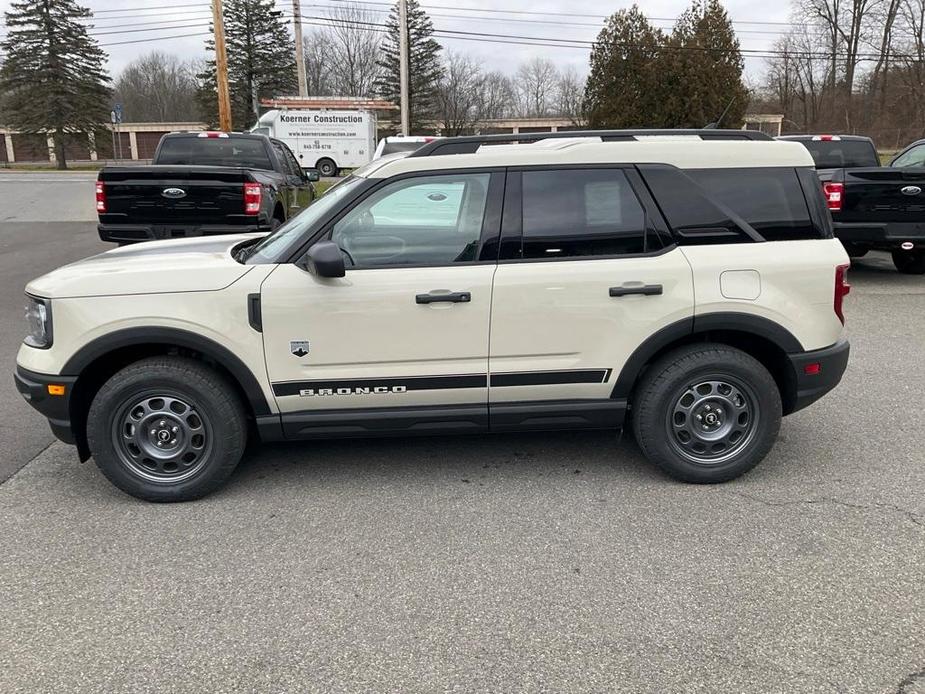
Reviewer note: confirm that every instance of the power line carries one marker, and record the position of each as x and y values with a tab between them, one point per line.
551	14
155	39
580	43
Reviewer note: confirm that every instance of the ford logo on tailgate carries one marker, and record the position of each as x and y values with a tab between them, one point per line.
911	190
173	193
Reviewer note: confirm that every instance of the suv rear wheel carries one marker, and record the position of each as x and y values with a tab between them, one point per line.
706	413
167	429
910	262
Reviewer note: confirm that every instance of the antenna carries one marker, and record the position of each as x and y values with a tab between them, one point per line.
715	124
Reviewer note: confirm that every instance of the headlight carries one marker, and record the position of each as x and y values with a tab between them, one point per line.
38	319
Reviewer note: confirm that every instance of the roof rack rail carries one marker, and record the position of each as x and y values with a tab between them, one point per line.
467	144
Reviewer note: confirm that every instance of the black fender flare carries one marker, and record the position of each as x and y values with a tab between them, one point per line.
130	337
678	331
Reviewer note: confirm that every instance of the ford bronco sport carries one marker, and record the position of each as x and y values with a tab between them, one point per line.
692	288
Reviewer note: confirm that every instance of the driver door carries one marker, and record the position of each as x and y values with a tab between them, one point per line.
400	342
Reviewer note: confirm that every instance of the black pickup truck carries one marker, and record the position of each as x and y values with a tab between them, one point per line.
873	207
203	183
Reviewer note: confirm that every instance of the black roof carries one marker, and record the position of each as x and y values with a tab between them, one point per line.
470	143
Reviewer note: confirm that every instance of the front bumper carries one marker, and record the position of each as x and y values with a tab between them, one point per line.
56	408
817	372
135	233
884	235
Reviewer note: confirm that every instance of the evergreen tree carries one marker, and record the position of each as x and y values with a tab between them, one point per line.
261	61
53	79
703	69
425	66
623	86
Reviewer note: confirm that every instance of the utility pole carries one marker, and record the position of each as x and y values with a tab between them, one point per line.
299	58
221	67
403	66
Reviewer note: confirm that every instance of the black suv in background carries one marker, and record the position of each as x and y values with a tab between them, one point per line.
202	184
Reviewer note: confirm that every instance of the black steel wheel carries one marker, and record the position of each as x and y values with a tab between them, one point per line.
167	429
706	413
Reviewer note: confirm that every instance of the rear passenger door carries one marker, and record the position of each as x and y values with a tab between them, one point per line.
587	273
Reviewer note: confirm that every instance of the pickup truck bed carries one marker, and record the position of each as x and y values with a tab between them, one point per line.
881	209
202	184
159	202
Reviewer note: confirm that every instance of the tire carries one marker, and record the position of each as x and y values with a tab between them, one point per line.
275	223
855	251
143	405
326	167
706	381
910	262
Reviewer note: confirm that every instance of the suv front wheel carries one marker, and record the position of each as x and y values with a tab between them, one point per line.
167	429
706	413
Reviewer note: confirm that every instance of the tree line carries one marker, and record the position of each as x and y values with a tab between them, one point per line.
851	66
53	79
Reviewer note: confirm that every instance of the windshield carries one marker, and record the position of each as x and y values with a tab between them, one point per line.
280	242
246	153
842	154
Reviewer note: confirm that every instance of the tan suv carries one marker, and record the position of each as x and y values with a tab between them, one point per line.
689	286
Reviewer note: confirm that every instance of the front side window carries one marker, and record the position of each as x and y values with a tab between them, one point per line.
430	220
914	158
581	212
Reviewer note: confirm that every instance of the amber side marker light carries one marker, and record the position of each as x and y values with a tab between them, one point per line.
55	389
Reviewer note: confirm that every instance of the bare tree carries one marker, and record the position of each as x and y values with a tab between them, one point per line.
460	94
353	48
158	87
499	98
316	48
536	87
570	94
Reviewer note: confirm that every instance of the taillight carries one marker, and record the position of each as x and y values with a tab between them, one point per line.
833	195
100	196
252	196
841	290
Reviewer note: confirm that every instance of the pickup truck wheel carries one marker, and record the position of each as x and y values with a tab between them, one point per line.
326	167
706	413
167	429
855	251
910	262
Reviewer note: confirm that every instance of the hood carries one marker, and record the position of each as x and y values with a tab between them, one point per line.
199	264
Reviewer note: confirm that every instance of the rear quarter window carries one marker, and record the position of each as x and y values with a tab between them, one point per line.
771	200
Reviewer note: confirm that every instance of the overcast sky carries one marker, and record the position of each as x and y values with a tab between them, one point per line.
148	21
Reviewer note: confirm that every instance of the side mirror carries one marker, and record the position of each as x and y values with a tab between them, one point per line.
312	175
325	259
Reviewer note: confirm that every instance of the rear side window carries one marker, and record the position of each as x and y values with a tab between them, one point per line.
581	212
770	200
241	152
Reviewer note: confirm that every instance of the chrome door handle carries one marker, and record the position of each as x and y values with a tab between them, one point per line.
444	297
645	290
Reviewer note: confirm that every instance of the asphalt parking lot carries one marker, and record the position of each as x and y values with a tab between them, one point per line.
549	562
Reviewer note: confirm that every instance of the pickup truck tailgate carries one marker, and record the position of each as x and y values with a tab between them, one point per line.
883	195
166	194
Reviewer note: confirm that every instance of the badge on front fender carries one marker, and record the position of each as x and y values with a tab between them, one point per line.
299	347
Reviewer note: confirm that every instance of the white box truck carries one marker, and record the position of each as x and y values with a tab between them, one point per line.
326	140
